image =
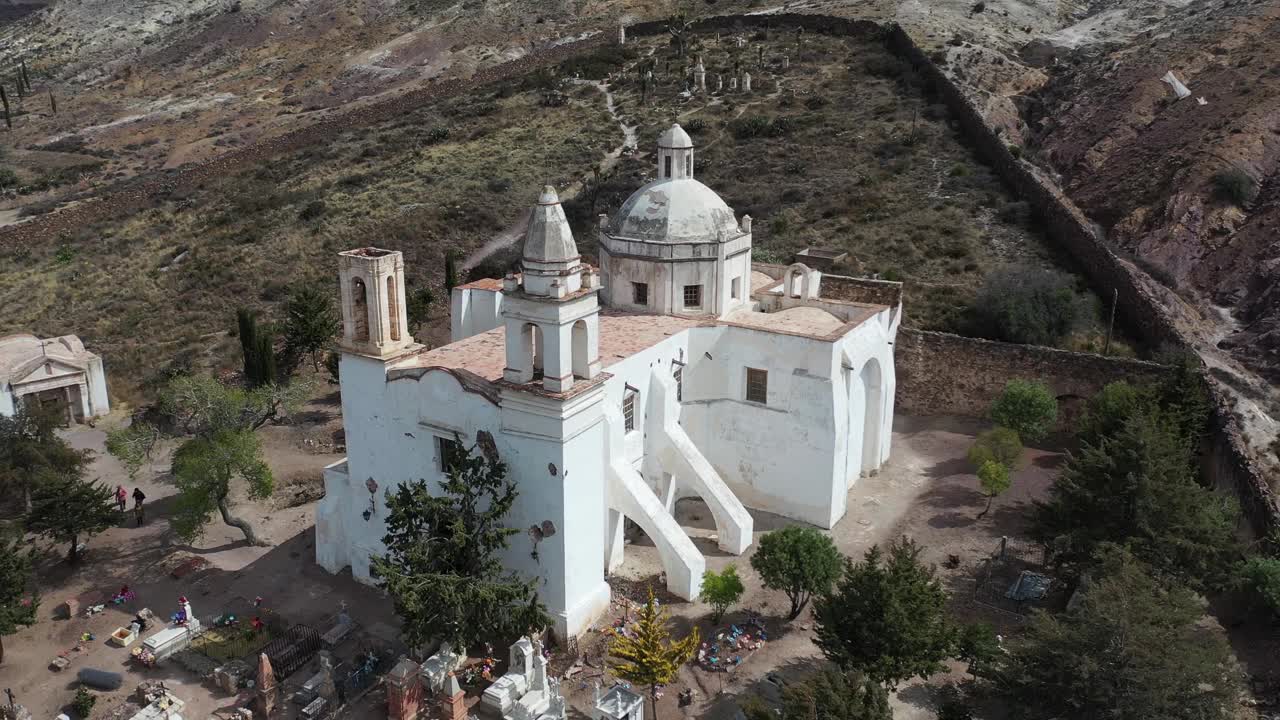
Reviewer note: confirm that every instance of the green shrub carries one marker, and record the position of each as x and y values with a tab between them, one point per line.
721	590
1027	305
1000	445
8	178
1028	408
1234	185
1015	151
1260	576
695	125
436	135
83	702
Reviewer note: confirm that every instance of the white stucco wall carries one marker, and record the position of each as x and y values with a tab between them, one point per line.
6	401
391	431
473	311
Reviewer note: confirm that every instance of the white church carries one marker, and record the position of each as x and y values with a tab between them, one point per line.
676	369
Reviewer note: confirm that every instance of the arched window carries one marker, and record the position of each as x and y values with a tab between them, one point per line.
581	350
359	311
393	307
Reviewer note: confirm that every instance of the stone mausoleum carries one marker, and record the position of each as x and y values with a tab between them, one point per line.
55	373
675	369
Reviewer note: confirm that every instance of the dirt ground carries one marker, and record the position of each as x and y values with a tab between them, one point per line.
925	491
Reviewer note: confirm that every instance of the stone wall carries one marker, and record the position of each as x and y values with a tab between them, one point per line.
943	374
1148	309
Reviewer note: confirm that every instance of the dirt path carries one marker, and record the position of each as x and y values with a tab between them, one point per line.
512	234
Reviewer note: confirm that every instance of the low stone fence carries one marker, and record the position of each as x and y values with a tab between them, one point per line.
944	374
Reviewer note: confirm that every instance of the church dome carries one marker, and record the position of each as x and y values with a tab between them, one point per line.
675	210
548	239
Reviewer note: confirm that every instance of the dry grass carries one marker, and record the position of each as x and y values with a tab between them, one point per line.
247	238
842	149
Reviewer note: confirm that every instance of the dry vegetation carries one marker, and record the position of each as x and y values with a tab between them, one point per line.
840	150
160	287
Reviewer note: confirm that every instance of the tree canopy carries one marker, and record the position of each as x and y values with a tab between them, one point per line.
836	695
721	590
442	565
1132	649
218	423
204	468
799	561
999	444
1136	488
1028	408
310	324
887	616
1027	305
68	508
19	599
32	453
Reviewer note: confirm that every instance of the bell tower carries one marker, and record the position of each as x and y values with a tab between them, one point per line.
551	313
374	319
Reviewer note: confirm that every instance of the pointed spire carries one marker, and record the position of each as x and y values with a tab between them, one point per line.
549	239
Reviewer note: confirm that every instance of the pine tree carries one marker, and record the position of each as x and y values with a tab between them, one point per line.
649	657
887	616
443	564
247	326
1137	488
18	598
69	508
310	323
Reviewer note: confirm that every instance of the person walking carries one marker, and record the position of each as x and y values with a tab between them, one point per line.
122	497
138	498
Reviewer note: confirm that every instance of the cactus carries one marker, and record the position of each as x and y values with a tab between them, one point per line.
26	79
53	103
8	121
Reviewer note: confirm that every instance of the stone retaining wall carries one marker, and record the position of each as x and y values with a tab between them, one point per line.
1144	305
944	374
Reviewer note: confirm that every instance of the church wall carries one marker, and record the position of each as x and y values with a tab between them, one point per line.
6	401
392	430
779	456
666	282
473	311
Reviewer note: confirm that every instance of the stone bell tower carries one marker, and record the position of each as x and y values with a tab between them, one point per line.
552	403
551	312
374	320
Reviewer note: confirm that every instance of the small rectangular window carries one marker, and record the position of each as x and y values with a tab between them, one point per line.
679	376
735	288
757	385
640	293
693	296
450	452
667	165
629	410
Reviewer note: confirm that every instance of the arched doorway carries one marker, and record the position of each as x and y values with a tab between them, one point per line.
873	414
